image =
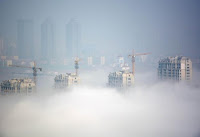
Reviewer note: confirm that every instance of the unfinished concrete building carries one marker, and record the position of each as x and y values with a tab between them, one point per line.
22	86
175	68
121	79
66	80
69	79
124	79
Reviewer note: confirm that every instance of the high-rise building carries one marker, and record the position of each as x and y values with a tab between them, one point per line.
90	61
66	80
73	38
47	40
121	79
102	58
16	86
7	47
1	47
10	49
176	68
25	39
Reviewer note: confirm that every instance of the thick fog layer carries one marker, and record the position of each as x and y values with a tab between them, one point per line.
150	109
101	33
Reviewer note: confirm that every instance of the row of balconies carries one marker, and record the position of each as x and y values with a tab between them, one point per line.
9	88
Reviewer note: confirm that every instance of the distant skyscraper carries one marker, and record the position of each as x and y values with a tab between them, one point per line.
47	40
1	47
90	61
102	60
73	38
7	47
25	39
10	49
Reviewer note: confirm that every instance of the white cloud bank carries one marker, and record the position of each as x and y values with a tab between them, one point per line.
150	109
158	110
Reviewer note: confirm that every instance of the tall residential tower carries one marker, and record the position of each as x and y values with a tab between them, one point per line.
25	39
175	68
73	38
47	40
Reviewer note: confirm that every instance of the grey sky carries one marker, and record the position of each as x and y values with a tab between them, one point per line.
161	27
151	108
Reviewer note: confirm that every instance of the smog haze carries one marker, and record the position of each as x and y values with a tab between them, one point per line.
99	68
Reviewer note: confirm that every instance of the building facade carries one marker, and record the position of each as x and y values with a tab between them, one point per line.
121	79
7	47
66	80
73	39
25	39
102	60
90	61
22	86
175	68
47	40
1	46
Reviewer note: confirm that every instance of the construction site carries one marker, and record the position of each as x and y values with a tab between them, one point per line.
123	78
21	85
177	68
69	79
18	86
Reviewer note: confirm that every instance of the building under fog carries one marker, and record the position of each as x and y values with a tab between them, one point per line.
102	60
25	39
23	86
66	80
1	46
175	68
47	40
7	47
73	39
90	61
121	79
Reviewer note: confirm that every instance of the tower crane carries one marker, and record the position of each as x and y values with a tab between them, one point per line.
76	65
34	68
132	56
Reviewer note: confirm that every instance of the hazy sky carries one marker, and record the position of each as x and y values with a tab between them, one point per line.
163	27
151	108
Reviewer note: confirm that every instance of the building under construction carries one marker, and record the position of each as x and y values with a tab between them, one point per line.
66	80
18	86
175	68
69	79
121	79
124	79
34	68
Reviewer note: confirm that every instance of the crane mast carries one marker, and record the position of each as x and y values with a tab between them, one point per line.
76	65
132	56
34	68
